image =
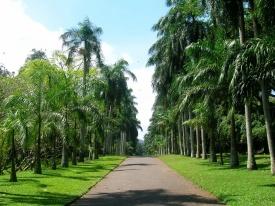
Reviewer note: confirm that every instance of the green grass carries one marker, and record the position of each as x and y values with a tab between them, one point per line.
55	187
232	186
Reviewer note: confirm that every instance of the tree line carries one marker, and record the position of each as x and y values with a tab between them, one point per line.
214	78
71	106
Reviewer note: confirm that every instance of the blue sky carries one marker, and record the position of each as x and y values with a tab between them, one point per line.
126	23
126	28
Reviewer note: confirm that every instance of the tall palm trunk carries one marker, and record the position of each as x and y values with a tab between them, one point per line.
234	157
213	156
267	116
180	137
83	124
221	150
107	140
82	140
198	153
96	148
74	156
183	135
13	177
65	157
172	141
251	163
254	19
187	138
53	158
93	147
74	150
241	23
203	143
192	137
167	141
37	168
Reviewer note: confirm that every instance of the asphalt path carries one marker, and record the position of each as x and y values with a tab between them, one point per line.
145	181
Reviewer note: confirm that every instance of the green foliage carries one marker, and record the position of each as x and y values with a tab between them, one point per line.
66	106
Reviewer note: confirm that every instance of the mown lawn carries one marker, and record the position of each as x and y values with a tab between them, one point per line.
55	187
232	186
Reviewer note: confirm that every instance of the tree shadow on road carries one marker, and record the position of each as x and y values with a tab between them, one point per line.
136	164
144	197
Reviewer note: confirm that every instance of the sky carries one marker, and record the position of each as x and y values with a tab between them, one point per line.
126	24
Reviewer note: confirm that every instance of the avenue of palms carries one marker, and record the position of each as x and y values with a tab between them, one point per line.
214	80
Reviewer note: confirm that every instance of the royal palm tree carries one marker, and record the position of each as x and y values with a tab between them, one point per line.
83	41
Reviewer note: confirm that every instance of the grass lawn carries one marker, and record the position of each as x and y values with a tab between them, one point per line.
232	186
55	187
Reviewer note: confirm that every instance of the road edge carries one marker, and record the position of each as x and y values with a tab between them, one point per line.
84	193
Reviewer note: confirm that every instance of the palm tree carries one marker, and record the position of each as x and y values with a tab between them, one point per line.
15	123
83	41
115	91
38	73
257	61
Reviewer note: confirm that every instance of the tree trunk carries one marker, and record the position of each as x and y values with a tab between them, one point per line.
183	135
254	19
180	136
13	177
172	141
221	151
192	137
96	148
65	158
268	123
241	23
168	141
187	137
234	157
121	141
53	159
74	150
213	156
203	144
198	153
37	168
251	163
74	156
82	140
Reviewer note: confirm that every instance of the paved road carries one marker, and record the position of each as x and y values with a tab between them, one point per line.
145	181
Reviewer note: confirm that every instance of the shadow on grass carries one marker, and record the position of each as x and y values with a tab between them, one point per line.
71	177
228	198
242	166
45	198
22	181
144	197
267	185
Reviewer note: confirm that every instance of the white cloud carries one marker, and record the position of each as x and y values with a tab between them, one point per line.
143	91
111	55
20	33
